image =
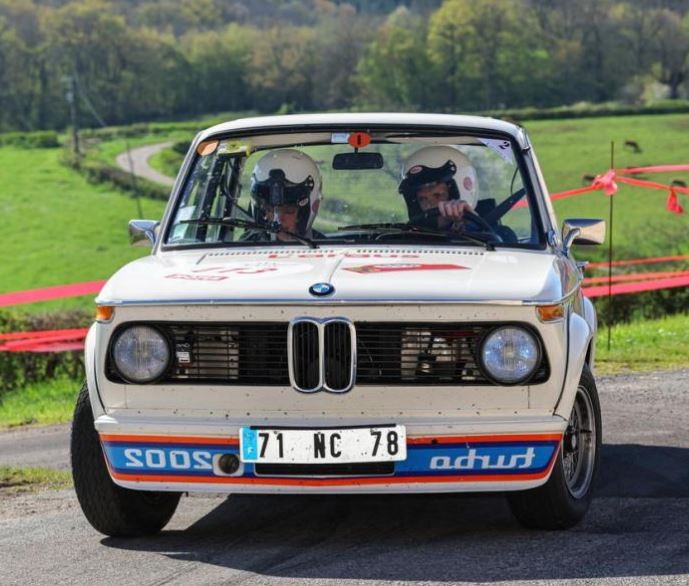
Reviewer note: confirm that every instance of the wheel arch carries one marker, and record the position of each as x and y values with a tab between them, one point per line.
90	357
580	353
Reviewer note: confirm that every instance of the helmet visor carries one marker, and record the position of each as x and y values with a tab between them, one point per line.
277	190
420	175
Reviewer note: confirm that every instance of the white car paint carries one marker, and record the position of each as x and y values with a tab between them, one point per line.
382	283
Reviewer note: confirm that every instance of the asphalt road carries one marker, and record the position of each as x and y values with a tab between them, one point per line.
637	530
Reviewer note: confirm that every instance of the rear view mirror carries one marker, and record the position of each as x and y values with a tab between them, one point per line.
357	160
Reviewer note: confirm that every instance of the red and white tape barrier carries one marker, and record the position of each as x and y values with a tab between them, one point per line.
44	341
73	339
50	293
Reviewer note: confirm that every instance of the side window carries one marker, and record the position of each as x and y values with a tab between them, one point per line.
497	181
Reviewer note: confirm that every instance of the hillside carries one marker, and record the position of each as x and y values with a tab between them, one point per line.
61	229
58	228
569	149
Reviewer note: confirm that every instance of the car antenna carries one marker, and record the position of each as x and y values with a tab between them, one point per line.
610	216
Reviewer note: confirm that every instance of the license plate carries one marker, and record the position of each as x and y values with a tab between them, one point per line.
384	443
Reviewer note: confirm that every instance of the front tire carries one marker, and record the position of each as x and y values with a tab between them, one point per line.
111	509
565	498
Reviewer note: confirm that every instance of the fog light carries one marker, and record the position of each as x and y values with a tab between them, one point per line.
228	463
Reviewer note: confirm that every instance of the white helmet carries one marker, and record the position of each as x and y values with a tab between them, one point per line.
287	176
432	164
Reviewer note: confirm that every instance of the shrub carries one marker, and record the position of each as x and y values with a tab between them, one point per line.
98	172
641	306
181	147
588	110
21	368
31	140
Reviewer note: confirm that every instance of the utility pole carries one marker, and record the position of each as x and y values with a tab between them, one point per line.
71	96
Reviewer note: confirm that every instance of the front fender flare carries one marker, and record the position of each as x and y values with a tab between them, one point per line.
91	374
579	335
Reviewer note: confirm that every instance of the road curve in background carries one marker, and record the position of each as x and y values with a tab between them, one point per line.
139	162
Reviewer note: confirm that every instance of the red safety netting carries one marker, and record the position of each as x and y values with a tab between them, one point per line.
639	261
638	287
44	341
50	293
635	277
73	339
607	182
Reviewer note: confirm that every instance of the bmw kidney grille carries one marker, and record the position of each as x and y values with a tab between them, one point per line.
322	354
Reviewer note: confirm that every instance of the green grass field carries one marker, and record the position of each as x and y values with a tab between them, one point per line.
644	345
568	149
46	402
22	480
58	228
167	161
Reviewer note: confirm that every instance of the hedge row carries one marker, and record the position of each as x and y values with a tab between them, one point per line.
99	172
588	110
162	128
43	139
642	306
22	368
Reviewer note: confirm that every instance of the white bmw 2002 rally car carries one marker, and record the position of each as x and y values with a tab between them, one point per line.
345	303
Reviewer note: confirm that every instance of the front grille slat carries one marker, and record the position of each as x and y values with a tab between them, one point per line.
423	354
391	354
236	354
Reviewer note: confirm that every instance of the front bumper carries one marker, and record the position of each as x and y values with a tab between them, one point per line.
472	456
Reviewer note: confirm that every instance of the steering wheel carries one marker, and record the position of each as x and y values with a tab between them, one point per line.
471	216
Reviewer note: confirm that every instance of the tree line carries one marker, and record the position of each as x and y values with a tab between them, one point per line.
132	60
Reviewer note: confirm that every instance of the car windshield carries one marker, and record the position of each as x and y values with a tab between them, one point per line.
356	187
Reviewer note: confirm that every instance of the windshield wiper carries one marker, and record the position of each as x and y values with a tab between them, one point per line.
401	228
237	223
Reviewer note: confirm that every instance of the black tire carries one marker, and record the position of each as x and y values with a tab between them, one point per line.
561	503
111	509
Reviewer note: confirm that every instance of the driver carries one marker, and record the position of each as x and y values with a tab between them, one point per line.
439	177
286	193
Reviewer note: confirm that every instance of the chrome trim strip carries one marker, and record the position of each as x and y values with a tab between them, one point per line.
314	301
321	324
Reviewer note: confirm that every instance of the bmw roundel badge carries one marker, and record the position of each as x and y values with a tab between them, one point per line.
321	289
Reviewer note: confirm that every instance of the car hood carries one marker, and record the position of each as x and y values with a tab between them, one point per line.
356	275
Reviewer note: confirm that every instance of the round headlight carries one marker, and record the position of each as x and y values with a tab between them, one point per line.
510	354
141	354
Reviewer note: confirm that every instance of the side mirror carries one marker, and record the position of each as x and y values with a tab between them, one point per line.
143	232
582	231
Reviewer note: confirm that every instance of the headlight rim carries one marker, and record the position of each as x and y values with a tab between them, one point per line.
539	347
121	329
